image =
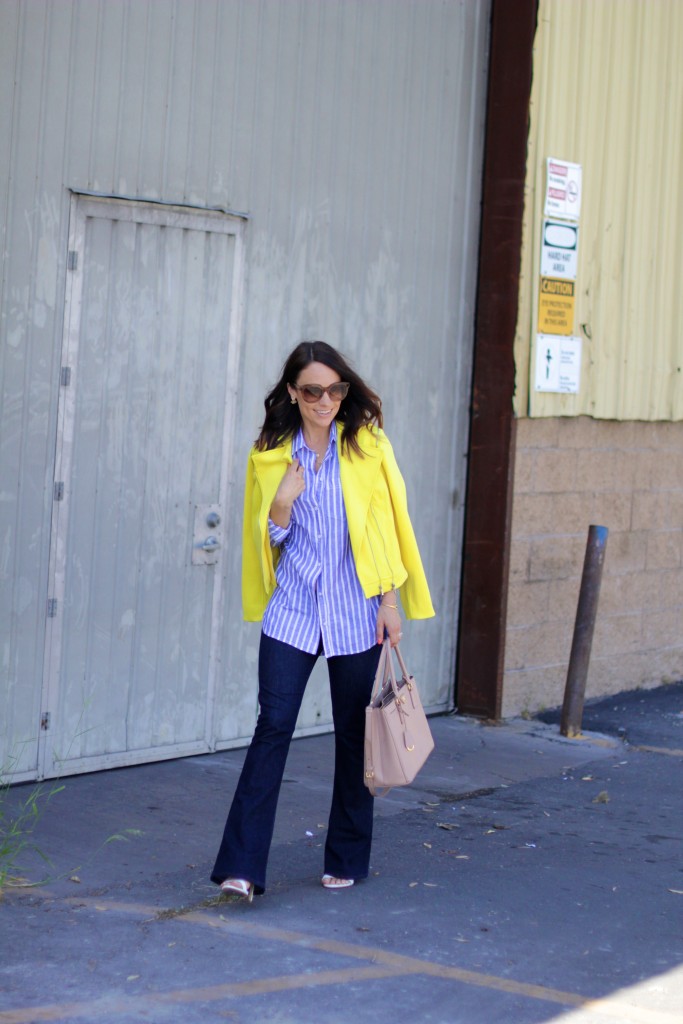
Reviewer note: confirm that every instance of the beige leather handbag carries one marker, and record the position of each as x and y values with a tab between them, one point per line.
398	739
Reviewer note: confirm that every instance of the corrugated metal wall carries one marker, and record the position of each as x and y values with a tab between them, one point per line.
350	133
608	94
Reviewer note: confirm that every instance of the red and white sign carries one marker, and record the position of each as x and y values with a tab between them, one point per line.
563	189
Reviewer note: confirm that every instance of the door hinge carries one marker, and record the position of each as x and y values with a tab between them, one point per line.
52	608
45	721
66	376
59	491
72	260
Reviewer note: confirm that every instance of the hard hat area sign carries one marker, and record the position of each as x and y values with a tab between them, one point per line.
559	250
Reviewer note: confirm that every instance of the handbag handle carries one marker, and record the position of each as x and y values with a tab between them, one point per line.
385	670
402	665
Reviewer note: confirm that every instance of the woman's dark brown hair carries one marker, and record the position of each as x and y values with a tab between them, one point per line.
361	407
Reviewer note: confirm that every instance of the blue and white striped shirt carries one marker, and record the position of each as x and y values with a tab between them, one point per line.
318	593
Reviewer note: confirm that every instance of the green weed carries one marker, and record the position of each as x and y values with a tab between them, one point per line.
17	826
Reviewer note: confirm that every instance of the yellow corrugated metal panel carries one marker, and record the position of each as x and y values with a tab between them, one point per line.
608	94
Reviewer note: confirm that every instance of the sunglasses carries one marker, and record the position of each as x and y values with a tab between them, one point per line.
314	392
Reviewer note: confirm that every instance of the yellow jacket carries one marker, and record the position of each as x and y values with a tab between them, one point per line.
382	538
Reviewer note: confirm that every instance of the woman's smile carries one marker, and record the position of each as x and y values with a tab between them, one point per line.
321	413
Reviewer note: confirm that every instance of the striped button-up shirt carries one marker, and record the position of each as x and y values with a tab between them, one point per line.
318	594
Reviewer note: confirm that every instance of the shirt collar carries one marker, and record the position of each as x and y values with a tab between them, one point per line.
298	443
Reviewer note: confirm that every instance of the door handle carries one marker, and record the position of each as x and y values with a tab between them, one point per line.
207	534
210	544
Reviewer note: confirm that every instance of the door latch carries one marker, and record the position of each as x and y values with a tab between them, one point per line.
207	536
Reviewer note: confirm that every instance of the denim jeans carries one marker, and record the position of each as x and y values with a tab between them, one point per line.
283	674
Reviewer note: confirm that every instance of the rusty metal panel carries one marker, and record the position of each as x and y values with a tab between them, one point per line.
608	94
486	550
349	132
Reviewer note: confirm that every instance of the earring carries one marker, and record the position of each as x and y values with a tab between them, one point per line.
293	401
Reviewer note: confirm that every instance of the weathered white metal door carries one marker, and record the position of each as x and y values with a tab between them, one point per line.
149	369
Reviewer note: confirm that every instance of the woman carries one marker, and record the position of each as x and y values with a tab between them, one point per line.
327	543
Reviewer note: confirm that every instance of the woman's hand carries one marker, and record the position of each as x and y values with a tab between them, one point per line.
388	619
291	486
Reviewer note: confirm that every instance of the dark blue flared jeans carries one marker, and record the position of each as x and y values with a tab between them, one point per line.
283	674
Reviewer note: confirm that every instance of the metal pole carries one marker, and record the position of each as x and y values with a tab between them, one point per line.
575	688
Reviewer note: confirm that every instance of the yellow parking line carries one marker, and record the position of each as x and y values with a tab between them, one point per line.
670	751
92	1008
383	964
398	961
611	1007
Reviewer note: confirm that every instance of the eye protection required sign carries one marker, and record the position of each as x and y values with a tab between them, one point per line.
556	306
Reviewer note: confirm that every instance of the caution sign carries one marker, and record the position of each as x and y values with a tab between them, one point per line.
556	306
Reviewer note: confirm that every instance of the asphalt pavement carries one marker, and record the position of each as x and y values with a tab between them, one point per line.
523	878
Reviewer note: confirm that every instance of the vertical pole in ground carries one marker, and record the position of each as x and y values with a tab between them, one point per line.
586	611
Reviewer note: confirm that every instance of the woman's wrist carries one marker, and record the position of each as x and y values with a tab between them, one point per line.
392	601
280	513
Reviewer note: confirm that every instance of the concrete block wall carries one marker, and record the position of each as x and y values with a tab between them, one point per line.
627	476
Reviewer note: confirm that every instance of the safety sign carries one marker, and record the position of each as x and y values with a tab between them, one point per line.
556	306
559	249
558	364
563	189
